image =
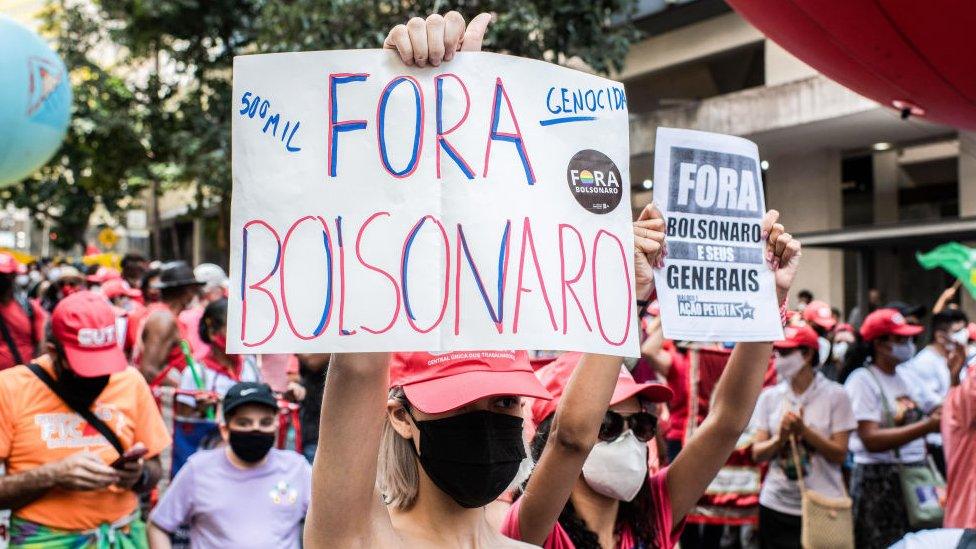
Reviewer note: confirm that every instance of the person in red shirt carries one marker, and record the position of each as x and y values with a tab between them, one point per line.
21	319
159	352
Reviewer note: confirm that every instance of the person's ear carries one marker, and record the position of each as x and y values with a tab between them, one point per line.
399	418
224	432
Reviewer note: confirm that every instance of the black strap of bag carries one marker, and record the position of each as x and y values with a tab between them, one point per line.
86	413
9	340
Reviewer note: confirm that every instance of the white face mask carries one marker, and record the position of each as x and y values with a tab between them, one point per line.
22	280
960	337
617	469
840	349
788	366
903	352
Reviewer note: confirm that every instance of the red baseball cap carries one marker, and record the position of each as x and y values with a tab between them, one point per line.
104	274
819	313
84	324
798	336
845	328
437	383
10	265
556	374
115	287
887	322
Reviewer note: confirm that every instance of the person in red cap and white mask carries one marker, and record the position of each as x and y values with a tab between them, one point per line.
65	422
816	414
891	428
21	319
614	480
820	317
590	488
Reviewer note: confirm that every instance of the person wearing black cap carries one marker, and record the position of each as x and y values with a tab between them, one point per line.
245	494
159	351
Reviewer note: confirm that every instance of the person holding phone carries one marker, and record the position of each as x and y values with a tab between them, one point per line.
79	433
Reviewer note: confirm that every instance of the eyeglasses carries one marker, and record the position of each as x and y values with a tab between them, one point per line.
642	424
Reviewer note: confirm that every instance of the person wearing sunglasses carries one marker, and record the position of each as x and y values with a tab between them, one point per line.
817	413
591	487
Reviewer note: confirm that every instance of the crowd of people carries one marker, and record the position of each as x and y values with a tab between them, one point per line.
126	423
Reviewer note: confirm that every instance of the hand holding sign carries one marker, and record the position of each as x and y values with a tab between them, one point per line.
648	247
436	38
782	254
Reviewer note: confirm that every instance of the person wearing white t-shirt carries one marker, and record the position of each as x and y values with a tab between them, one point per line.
817	414
891	429
931	367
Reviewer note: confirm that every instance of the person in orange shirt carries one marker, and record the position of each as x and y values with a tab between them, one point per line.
79	434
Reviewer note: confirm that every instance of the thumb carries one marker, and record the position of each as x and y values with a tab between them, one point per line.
474	35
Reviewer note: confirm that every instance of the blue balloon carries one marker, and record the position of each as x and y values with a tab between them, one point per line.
35	101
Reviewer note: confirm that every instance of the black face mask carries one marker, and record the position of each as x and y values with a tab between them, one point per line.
81	390
471	457
251	446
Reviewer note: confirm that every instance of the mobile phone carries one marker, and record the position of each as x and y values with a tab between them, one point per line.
133	454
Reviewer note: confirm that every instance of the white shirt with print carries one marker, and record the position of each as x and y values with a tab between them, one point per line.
866	401
827	410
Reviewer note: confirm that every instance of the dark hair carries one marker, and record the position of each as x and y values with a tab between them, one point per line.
857	356
943	320
214	318
805	294
635	513
176	292
146	278
131	257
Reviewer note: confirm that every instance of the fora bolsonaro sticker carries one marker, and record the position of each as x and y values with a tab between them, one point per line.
594	181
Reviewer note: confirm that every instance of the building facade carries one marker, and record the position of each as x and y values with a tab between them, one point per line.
864	188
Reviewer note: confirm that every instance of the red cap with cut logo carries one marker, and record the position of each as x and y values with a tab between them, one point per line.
84	324
437	383
887	322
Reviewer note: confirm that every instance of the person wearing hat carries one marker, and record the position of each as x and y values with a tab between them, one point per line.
590	486
819	316
806	408
65	423
244	494
65	281
159	349
21	319
891	428
614	479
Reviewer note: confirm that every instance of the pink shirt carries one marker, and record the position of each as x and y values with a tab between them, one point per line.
666	537
959	443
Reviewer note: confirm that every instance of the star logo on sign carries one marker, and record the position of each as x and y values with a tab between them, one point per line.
748	311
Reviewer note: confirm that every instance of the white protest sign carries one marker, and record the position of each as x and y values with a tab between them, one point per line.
484	204
715	284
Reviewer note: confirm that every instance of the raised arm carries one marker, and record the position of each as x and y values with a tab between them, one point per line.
582	407
653	349
736	393
344	496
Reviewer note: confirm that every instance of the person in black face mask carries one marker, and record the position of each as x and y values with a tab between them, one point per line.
255	494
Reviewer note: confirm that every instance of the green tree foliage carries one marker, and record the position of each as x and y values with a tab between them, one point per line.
169	120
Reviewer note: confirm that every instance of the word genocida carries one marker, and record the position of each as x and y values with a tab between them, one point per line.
350	254
345	85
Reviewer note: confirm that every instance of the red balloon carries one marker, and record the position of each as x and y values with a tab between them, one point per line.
917	57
